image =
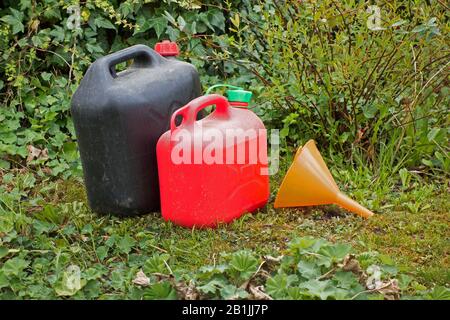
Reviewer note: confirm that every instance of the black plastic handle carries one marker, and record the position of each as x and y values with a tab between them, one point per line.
142	56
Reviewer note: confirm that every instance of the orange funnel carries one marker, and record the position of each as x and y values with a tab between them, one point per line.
308	182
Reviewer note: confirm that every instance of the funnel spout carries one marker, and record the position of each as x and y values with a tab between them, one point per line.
308	182
353	206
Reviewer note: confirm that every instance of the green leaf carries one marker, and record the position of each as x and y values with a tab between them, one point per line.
170	18
159	25
203	17
87	229
156	264
104	23
308	270
50	214
320	289
276	286
4	164
15	23
295	293
439	293
17	14
94	48
4	282
420	28
213	18
173	33
404	175
404	281
427	162
126	243
3	252
70	151
181	23
232	292
346	280
334	253
244	263
209	271
92	289
344	137
160	291
389	269
399	23
213	285
102	252
302	243
6	223
433	133
14	266
112	240
43	227
95	272
370	110
118	279
46	75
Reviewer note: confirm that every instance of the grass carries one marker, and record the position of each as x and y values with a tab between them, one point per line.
52	221
417	242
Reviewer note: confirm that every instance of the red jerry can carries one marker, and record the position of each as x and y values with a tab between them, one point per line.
215	169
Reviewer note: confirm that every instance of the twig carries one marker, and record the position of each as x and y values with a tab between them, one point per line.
346	26
246	283
168	267
443	4
427	83
371	290
327	274
158	248
56	54
415	69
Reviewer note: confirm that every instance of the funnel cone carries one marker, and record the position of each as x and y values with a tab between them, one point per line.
308	182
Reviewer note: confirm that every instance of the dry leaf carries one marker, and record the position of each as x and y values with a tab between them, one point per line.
389	289
186	292
273	259
350	263
258	293
36	153
47	170
141	279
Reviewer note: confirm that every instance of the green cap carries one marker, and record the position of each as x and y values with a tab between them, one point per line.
239	95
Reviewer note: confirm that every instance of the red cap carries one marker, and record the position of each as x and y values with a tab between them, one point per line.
167	48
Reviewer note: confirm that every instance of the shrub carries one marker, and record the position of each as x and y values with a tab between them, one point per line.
381	94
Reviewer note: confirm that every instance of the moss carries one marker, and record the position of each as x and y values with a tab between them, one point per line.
417	242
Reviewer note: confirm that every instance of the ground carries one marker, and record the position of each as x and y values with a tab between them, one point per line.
47	226
417	242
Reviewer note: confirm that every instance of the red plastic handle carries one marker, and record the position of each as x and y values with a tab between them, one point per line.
189	111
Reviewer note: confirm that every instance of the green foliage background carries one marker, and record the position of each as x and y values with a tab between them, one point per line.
374	97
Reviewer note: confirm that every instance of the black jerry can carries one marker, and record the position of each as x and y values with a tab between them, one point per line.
118	118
